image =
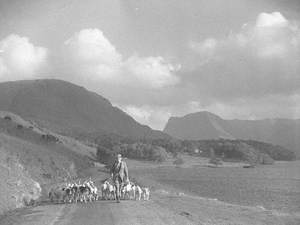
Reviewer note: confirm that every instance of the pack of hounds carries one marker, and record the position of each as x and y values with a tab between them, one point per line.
74	192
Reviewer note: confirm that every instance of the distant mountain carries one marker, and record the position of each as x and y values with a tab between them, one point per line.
205	125
70	109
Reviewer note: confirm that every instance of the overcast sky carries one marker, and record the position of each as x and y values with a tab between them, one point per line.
156	59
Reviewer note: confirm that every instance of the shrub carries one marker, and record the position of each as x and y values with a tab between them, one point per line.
49	138
159	154
276	152
216	161
105	155
265	159
172	146
7	118
47	176
178	162
19	126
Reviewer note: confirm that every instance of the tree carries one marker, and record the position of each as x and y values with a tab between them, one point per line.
213	159
265	159
178	162
159	154
212	153
105	155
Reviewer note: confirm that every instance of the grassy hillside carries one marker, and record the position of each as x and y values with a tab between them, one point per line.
16	126
69	109
32	159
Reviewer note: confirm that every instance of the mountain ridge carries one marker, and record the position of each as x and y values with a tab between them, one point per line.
206	125
69	108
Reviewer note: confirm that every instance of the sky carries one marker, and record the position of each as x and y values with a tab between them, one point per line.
239	59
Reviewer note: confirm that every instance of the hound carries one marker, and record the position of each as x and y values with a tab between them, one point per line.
146	193
138	192
112	191
94	191
57	195
84	191
126	190
108	191
104	190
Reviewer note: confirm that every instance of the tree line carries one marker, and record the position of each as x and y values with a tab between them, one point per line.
160	149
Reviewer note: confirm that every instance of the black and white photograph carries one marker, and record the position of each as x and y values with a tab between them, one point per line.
149	112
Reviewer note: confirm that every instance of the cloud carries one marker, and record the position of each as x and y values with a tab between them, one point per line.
152	72
149	114
271	36
20	59
205	47
205	50
92	56
271	20
263	58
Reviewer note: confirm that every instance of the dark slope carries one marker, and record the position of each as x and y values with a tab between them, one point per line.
68	108
197	126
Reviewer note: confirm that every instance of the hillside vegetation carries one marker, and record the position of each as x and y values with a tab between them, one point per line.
31	160
159	150
244	150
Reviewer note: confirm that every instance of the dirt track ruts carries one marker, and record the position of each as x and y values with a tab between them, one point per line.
162	209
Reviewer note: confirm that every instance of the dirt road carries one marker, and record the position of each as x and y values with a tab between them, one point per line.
101	212
162	209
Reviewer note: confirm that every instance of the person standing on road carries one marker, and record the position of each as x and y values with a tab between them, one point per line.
119	174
